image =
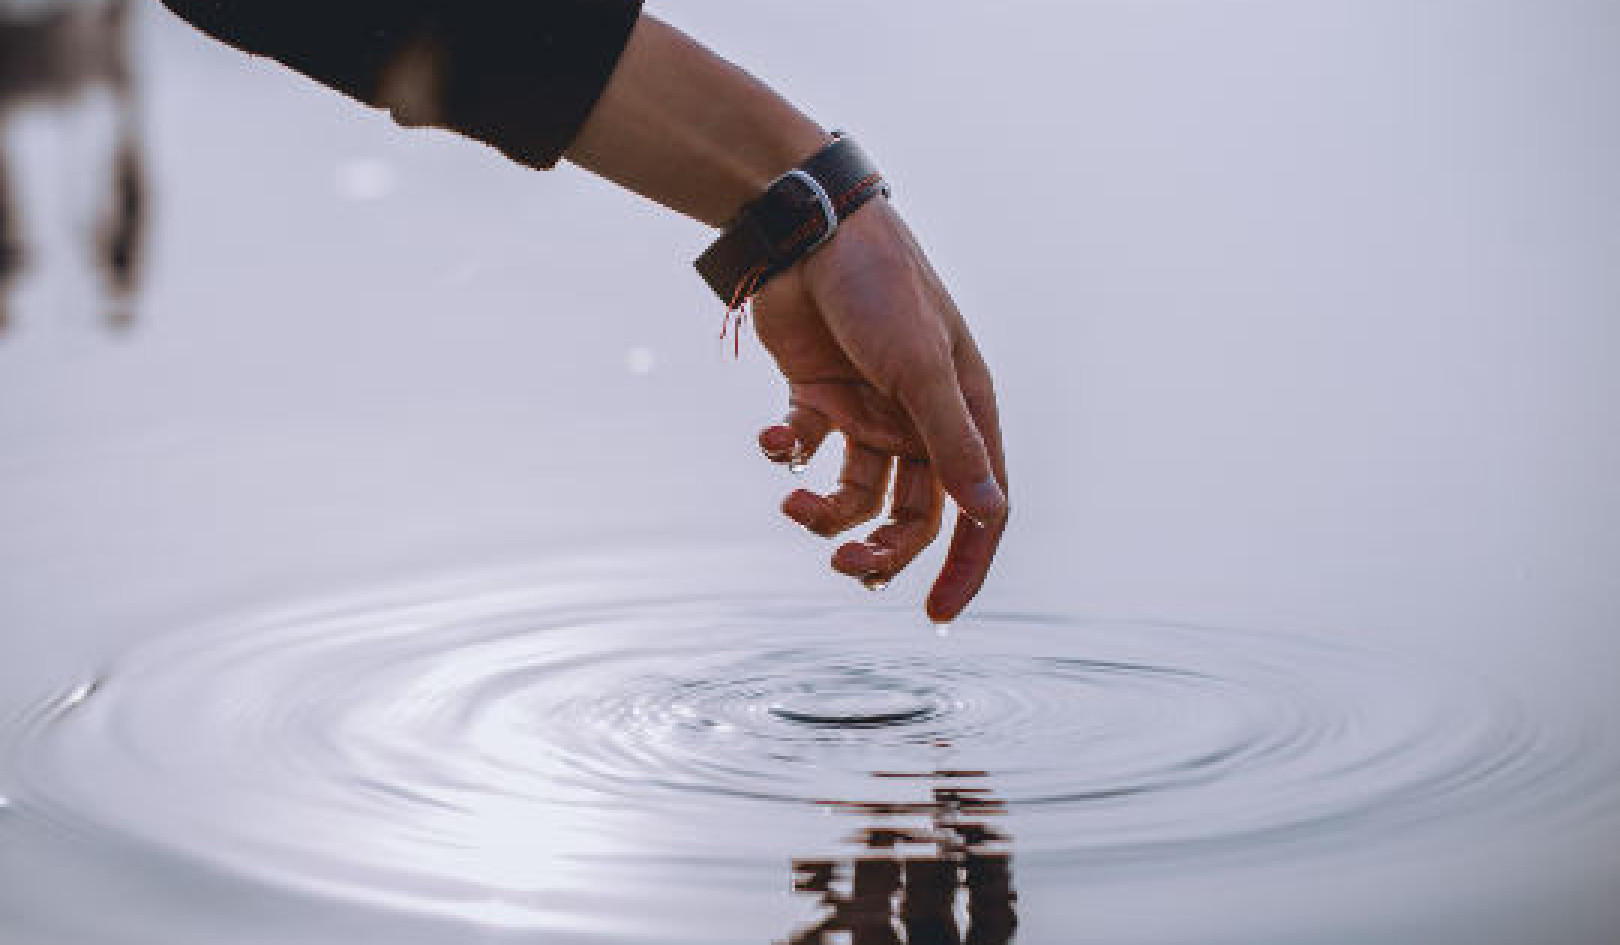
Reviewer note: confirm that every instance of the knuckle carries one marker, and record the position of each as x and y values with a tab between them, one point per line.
856	502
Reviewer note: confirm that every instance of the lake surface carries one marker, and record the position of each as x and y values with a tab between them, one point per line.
400	566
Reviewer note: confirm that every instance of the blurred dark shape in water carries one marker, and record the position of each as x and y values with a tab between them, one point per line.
51	53
905	892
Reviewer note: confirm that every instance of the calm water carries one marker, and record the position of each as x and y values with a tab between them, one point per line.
399	566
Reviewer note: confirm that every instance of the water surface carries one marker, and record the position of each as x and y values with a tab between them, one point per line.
568	747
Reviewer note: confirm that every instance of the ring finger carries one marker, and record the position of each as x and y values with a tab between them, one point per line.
914	519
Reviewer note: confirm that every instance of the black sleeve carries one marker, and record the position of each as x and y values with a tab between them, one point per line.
521	75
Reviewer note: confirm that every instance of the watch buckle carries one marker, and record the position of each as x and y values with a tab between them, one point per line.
829	213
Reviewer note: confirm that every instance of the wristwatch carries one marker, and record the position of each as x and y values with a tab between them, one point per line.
795	215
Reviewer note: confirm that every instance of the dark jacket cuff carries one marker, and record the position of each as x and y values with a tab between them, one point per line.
526	82
521	75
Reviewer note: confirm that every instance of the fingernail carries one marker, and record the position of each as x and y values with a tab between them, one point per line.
985	502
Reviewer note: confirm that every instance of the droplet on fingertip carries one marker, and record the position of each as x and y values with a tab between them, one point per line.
797	459
875	582
942	629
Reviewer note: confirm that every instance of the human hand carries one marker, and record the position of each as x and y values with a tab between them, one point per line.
866	335
872	346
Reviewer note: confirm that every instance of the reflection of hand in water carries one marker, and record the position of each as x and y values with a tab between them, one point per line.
906	898
50	53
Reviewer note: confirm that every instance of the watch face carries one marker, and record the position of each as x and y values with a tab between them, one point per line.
795	215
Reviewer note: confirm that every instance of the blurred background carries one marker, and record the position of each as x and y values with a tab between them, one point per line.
1304	316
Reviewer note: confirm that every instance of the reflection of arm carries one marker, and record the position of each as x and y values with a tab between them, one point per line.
520	76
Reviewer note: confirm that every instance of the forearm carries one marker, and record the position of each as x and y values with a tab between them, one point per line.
673	122
683	127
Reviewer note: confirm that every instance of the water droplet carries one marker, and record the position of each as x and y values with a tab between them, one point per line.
942	630
797	465
76	696
875	582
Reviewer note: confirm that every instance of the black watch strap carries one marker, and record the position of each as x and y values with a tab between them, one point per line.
790	220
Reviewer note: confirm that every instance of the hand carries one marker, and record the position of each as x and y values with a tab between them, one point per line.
872	346
869	340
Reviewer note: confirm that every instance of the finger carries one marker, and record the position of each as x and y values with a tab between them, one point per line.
796	439
973	545
955	446
966	564
914	518
858	499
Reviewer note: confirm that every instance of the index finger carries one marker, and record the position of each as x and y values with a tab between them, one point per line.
957	449
974	540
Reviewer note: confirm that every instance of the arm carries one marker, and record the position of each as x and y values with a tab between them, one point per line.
684	127
864	331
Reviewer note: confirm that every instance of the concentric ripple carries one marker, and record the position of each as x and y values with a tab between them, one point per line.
431	747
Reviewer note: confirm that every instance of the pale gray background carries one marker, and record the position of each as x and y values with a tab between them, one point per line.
1305	315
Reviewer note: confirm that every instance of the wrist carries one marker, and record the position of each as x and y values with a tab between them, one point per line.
794	217
778	141
871	237
683	127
